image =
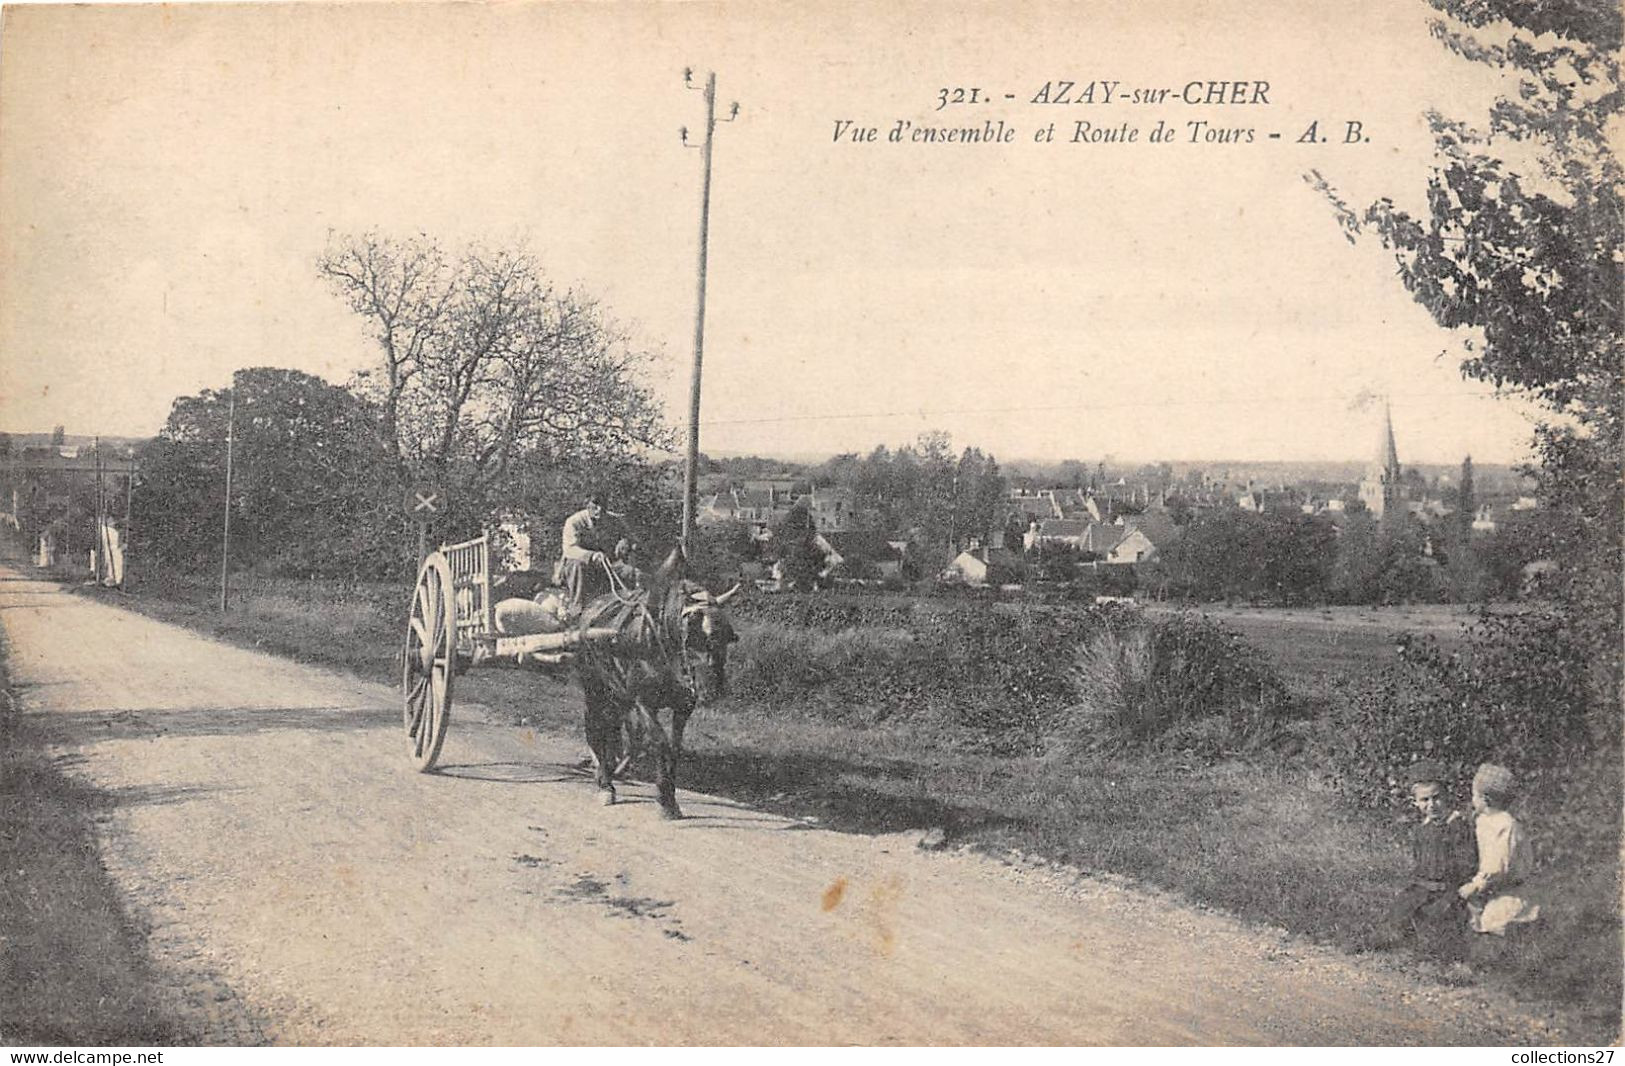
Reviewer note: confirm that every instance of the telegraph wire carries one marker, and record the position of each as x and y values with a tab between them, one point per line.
1118	406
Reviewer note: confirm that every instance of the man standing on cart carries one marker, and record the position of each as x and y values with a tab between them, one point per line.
584	567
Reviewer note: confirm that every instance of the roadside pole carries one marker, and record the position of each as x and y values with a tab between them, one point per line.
129	494
691	463
100	552
225	536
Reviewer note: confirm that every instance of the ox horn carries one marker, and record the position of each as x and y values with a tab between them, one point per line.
726	596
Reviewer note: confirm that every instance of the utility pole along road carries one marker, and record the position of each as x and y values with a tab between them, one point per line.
268	830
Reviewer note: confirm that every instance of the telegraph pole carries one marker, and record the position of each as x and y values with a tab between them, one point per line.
691	466
129	495
225	536
100	553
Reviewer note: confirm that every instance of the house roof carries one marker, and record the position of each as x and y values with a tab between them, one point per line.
1132	534
1158	528
751	497
1036	506
1085	533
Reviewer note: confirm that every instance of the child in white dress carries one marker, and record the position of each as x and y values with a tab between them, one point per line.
1504	857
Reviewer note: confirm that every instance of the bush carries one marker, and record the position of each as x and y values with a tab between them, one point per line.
1182	682
1023	675
832	673
964	663
1516	693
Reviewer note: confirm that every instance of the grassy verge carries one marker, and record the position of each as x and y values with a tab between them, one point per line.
357	628
73	967
1255	834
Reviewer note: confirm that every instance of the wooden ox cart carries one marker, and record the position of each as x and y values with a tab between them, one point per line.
452	626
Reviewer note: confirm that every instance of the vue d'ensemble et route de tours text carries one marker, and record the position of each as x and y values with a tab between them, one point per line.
1243	101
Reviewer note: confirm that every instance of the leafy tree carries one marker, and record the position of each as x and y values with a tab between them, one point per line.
979	495
58	435
1518	540
1466	502
1523	256
838	470
1054	562
872	479
1074	473
1382	563
931	505
795	543
1295	557
310	492
1217	557
1276	557
1465	574
1015	531
717	553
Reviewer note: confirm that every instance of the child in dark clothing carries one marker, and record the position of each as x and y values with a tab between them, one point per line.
1429	908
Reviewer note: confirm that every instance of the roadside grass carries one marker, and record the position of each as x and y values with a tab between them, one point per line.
1254	832
357	628
73	967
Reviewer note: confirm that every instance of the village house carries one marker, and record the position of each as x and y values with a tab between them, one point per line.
1127	540
982	567
1083	534
833	509
759	508
1134	547
716	509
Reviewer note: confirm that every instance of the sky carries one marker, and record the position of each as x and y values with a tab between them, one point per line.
170	174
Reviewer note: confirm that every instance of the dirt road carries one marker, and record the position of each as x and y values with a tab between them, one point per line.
302	885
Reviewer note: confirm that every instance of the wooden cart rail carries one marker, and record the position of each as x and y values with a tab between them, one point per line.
470	564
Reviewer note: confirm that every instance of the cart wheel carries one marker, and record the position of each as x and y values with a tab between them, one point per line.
431	652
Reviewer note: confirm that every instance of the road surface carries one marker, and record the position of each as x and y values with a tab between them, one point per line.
305	886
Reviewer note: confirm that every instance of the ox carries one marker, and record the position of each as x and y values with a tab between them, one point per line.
670	652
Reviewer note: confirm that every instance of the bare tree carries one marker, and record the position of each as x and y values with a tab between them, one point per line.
485	363
405	289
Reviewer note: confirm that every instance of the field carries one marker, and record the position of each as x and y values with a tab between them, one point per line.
1315	646
1253	832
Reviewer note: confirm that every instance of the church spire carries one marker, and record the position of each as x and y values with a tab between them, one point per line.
1387	453
1380	489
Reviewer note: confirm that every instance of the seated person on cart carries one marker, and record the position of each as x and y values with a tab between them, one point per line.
583	573
584	568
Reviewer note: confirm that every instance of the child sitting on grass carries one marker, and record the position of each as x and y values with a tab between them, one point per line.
1504	860
1441	856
